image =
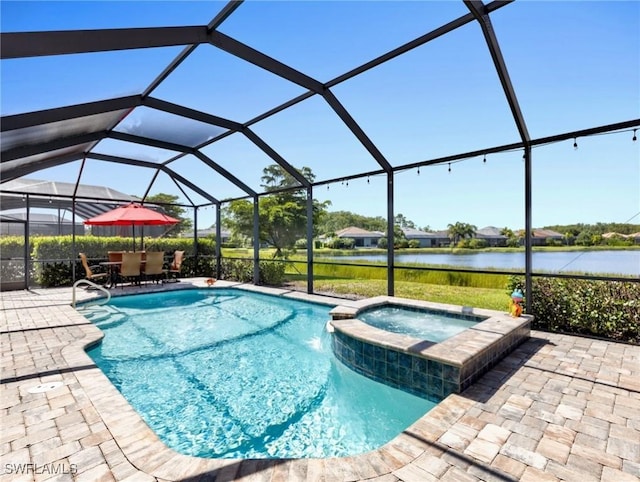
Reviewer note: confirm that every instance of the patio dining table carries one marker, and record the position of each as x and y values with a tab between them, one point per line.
113	268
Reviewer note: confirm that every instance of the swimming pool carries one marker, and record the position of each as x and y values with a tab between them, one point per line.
420	323
232	374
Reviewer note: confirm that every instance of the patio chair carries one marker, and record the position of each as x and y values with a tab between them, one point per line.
115	256
131	268
90	274
114	269
153	267
175	267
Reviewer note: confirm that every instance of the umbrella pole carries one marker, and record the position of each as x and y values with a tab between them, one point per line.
133	235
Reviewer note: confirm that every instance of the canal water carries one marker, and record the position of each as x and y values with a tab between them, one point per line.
612	262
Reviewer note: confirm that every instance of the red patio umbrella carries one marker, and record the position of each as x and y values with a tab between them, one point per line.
131	215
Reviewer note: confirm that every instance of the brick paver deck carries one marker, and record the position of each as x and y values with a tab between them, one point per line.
558	408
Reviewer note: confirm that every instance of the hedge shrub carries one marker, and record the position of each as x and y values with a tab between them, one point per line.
340	243
605	309
237	270
271	273
11	247
52	256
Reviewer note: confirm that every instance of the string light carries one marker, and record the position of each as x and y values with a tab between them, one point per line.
368	180
418	171
484	159
347	184
327	187
634	135
575	143
449	167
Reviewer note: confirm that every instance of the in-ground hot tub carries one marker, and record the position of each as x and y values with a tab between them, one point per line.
431	369
424	323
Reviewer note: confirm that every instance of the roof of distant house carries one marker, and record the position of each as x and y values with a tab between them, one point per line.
224	233
410	233
619	235
490	232
354	232
546	233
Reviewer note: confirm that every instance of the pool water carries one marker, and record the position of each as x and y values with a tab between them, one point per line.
233	374
424	324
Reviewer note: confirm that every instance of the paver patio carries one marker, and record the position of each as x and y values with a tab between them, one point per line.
558	408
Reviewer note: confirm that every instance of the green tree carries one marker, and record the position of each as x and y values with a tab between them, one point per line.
403	222
598	228
274	177
508	232
567	237
283	214
337	220
168	204
618	240
478	243
460	231
585	238
399	239
512	238
513	242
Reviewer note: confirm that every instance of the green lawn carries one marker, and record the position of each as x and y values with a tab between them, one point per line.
369	279
494	299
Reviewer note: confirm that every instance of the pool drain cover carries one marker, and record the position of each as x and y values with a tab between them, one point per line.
44	387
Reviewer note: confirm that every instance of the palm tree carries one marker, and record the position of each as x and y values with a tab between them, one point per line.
568	236
508	232
460	231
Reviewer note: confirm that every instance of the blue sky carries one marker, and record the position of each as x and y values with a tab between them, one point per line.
574	65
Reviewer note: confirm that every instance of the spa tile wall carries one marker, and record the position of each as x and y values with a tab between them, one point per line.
415	374
426	378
